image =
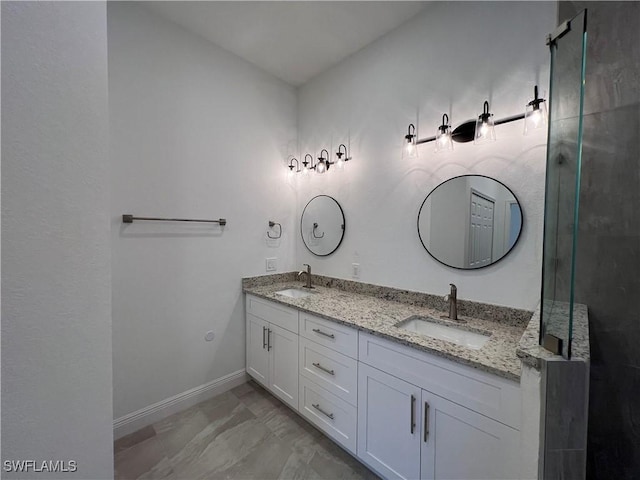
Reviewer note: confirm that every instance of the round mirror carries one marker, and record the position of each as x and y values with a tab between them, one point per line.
322	225
469	222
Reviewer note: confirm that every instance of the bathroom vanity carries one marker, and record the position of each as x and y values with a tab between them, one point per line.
405	403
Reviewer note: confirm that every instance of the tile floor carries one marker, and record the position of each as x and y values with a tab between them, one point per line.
244	433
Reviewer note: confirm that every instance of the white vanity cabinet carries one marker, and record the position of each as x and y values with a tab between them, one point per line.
404	412
272	348
406	431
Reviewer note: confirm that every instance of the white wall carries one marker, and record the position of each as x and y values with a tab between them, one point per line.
56	291
450	59
196	132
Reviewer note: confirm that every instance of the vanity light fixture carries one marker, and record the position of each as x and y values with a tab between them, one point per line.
443	135
480	130
323	162
292	166
307	165
485	131
339	154
410	149
535	114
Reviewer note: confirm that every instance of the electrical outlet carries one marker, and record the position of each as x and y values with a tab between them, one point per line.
355	270
272	264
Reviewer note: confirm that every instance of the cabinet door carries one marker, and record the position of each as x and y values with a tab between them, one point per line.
283	371
459	443
257	353
389	420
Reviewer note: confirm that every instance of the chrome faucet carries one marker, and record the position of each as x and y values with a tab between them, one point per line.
306	272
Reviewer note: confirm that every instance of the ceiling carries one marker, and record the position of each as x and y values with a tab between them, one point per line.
293	41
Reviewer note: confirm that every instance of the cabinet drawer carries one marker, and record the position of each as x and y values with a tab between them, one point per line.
330	334
272	312
482	392
333	371
329	413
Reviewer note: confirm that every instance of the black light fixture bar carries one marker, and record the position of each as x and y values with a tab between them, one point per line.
322	163
512	118
425	140
464	132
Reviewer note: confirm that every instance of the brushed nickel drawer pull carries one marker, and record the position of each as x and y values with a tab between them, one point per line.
320	332
320	367
426	421
317	407
264	337
268	339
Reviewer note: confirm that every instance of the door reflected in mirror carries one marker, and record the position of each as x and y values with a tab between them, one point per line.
470	222
322	225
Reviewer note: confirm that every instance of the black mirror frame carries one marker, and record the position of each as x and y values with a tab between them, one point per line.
344	226
483	266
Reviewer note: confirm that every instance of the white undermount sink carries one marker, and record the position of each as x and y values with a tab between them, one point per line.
459	336
293	293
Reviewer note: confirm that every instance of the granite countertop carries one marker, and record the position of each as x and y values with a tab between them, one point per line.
379	309
531	353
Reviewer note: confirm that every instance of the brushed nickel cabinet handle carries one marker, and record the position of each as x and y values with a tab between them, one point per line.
426	421
317	407
320	332
264	337
413	414
320	367
268	339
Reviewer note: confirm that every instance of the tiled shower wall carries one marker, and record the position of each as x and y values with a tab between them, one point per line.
608	256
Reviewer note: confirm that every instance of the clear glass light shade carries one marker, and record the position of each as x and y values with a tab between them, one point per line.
321	166
535	116
485	131
443	139
342	157
410	149
307	165
293	167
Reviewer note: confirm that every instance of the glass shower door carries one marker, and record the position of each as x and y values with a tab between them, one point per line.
564	150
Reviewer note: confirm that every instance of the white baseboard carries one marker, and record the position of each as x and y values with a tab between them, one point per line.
146	416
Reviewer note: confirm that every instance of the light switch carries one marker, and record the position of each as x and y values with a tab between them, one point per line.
272	264
355	270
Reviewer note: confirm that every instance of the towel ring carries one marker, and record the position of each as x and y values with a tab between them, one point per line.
313	232
273	224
